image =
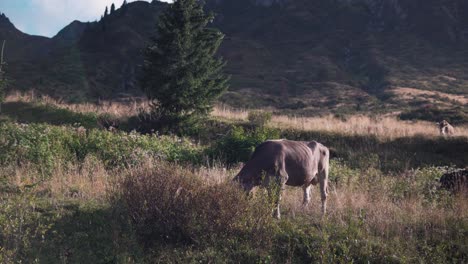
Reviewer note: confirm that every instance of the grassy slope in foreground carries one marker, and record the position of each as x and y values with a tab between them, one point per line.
100	197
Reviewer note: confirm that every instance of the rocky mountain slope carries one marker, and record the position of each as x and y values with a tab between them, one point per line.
290	54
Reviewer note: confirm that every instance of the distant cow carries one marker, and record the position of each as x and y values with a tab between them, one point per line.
445	128
293	163
456	181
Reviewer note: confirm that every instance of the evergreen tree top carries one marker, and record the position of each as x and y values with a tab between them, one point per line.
182	73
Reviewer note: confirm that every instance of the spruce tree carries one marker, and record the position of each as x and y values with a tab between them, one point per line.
182	77
112	9
106	12
123	7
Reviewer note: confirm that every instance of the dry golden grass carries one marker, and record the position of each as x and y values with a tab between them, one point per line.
83	182
387	127
86	181
379	213
121	109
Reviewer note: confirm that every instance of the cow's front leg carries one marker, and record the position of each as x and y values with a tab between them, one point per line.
281	180
277	212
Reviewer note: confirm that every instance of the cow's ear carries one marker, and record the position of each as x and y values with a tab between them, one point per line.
312	144
333	153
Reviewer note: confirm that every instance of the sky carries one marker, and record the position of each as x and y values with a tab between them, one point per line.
48	17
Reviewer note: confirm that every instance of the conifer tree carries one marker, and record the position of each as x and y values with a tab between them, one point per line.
106	12
182	77
112	10
123	7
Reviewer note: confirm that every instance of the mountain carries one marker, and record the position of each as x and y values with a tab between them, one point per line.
343	55
72	33
84	60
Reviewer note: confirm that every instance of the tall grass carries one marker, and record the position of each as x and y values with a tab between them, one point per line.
384	127
120	109
182	214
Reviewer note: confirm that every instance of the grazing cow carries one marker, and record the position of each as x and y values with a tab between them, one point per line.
445	128
286	162
456	181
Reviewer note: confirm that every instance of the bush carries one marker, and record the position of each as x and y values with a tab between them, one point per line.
157	122
108	121
421	183
172	205
238	144
259	118
48	146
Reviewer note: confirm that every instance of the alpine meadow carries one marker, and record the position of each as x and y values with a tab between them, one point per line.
247	131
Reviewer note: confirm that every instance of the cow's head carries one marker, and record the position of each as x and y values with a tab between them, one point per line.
246	184
443	123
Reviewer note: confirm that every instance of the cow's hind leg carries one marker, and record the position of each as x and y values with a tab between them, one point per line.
323	180
306	189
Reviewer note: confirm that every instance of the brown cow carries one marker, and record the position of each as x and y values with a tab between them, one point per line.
293	163
445	128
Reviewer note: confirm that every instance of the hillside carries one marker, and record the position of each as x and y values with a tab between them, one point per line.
294	55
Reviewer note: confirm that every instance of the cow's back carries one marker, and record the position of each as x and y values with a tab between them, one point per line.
295	158
264	160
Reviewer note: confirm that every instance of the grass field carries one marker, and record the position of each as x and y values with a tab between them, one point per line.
383	126
72	192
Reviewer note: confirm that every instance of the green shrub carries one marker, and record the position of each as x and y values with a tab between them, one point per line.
259	118
420	183
342	175
47	146
239	143
108	121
